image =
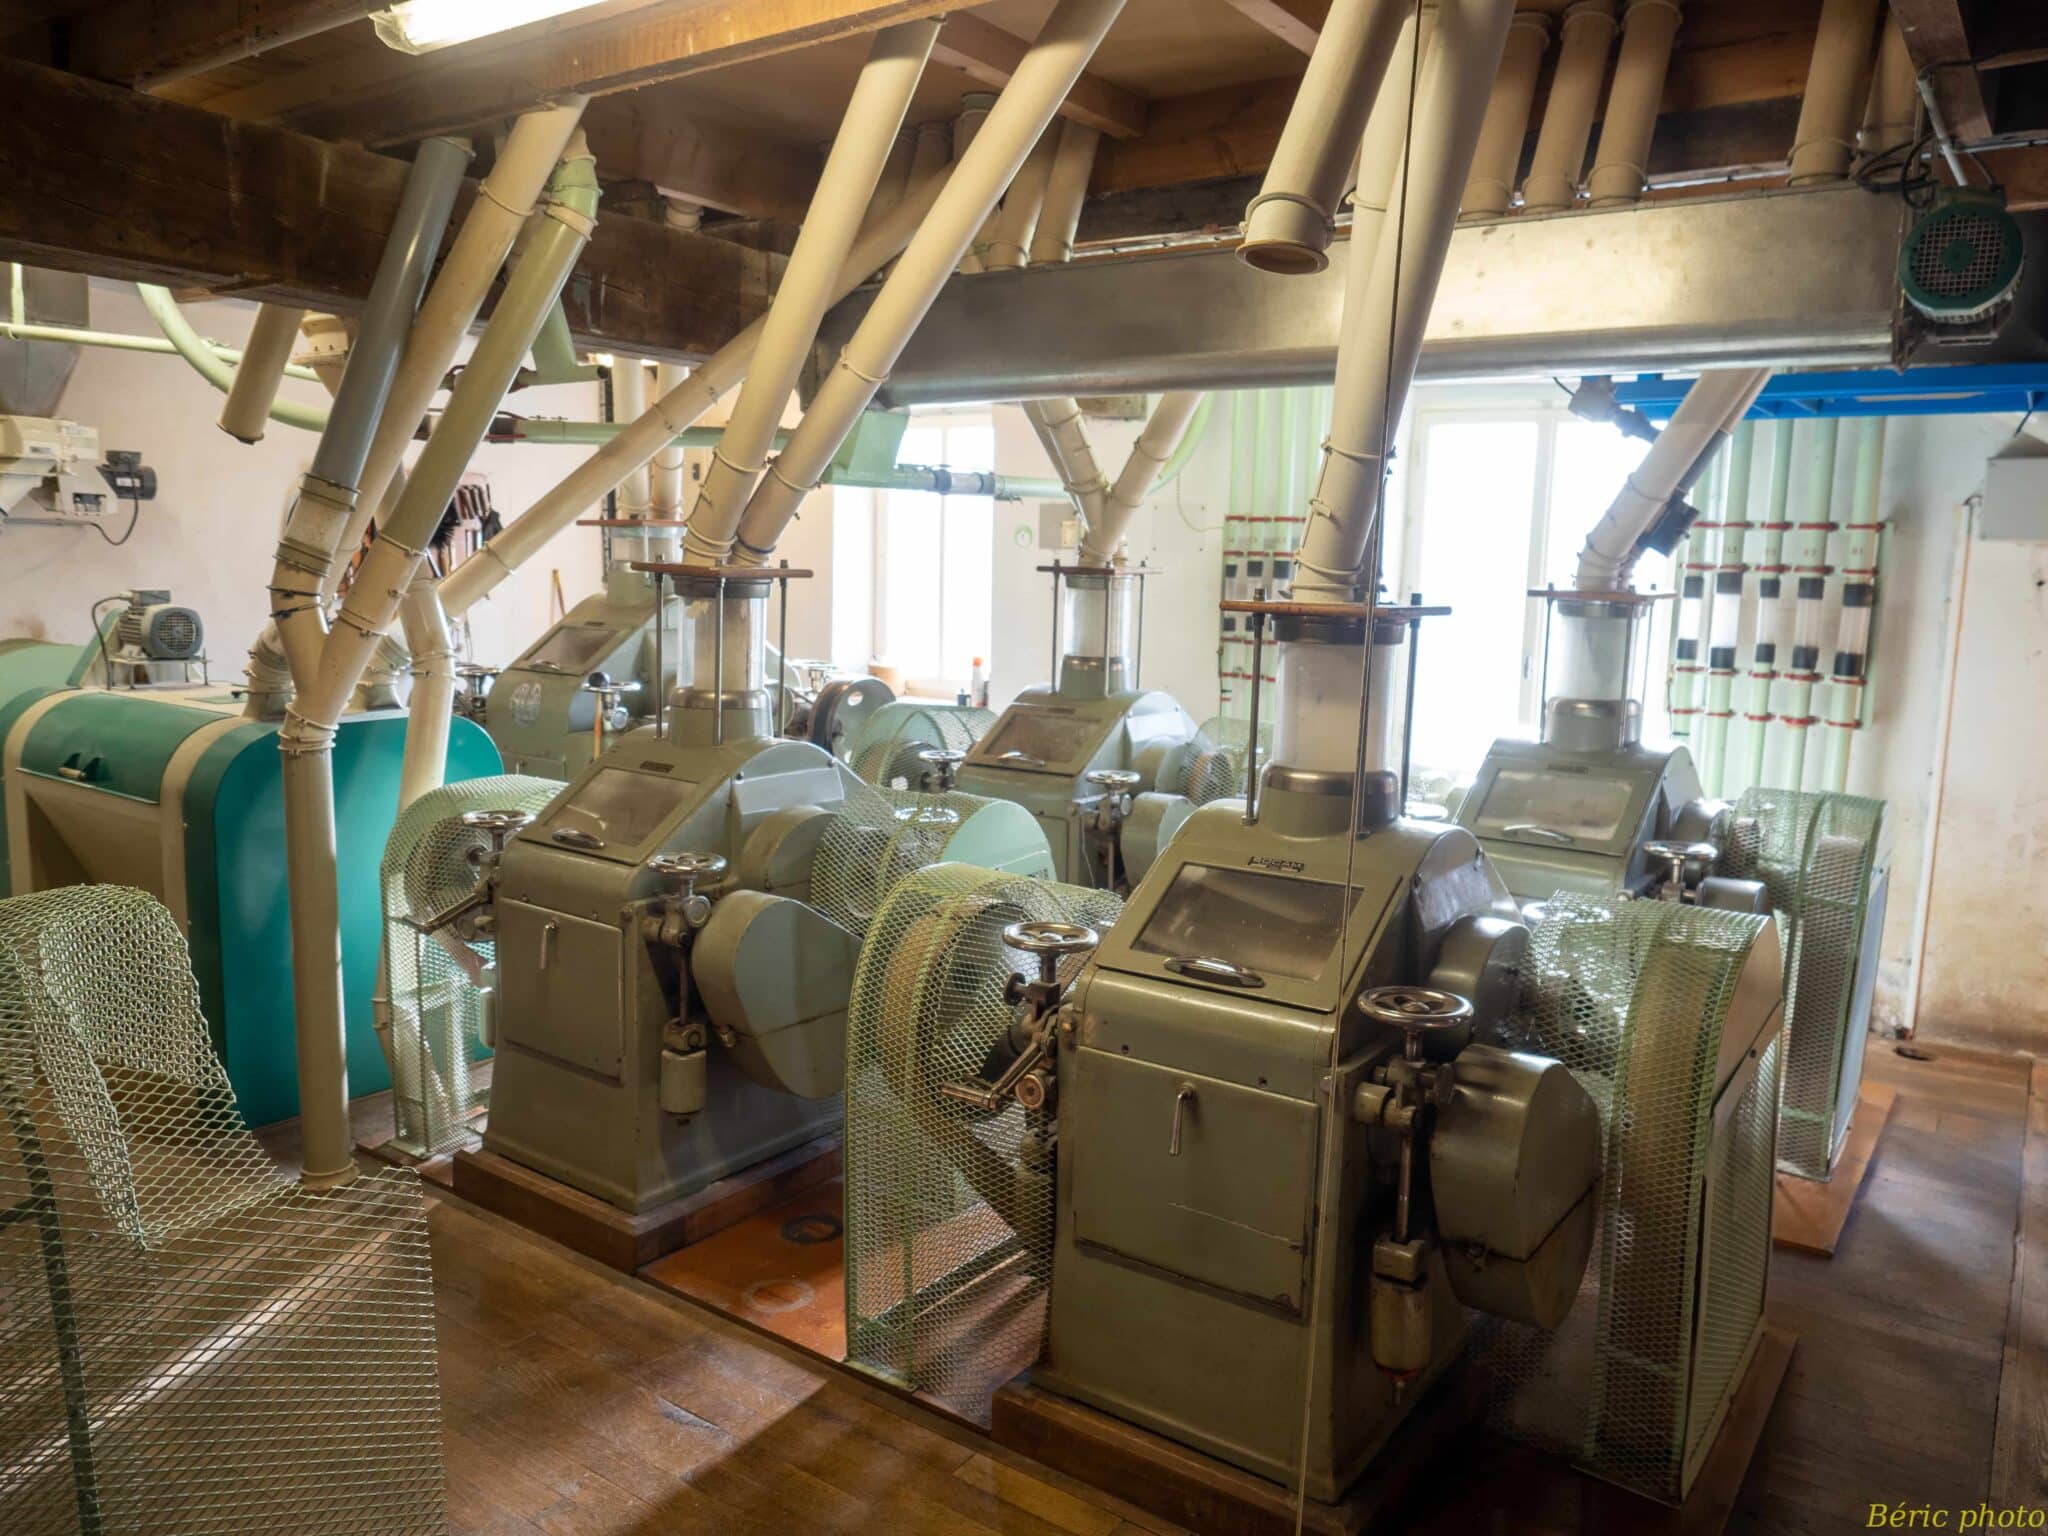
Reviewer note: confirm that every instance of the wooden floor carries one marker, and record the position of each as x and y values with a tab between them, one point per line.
579	1401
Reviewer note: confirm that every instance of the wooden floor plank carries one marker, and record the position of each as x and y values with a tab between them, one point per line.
1808	1215
2019	1454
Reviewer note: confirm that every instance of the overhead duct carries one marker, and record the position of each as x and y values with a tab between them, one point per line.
1491	185
1171	417
1061	428
1587	36
260	372
1892	115
1837	87
1015	225
1288	226
1066	188
1620	167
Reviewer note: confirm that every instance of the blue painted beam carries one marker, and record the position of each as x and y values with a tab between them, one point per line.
1986	389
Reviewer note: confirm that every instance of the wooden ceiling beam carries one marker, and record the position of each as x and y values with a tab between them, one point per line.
642	138
95	178
494	78
145	43
1937	41
990	55
1297	23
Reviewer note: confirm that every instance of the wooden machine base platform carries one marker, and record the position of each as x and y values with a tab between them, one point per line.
1808	1217
624	1242
1444	1479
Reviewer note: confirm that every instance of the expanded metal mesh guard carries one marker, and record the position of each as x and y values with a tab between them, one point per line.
430	862
1816	854
1632	997
949	1208
190	1344
884	751
1212	764
878	838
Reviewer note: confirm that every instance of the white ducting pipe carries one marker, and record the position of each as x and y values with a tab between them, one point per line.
1837	89
1066	189
1892	116
1386	138
587	484
896	172
931	155
1063	433
1621	166
666	469
431	711
1387	298
1560	154
1491	185
261	371
874	115
1041	82
1287	227
1171	417
1704	419
503	203
1015	226
974	109
629	403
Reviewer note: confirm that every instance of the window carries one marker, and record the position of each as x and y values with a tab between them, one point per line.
934	560
1498	499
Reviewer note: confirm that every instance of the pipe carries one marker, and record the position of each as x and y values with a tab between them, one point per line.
1387	299
1702	421
1838	85
1621	165
1850	671
1892	117
1807	548
431	712
1764	641
629	403
1560	154
1287	227
1066	189
974	109
1499	156
210	364
1724	619
503	204
1041	82
253	393
1169	423
640	440
874	115
666	474
1386	137
306	742
896	172
1016	223
1692	560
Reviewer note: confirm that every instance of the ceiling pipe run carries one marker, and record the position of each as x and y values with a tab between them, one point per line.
1620	168
253	391
1491	185
1015	225
1066	189
1837	89
1288	226
874	116
1892	116
1041	82
212	363
1171	417
1560	155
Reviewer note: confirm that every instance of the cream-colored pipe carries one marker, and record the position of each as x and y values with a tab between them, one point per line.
1066	189
1287	227
1560	154
974	109
666	470
896	172
1016	223
1492	182
1041	82
874	114
1621	165
432	707
1062	432
1837	89
629	403
261	370
932	154
1386	138
1170	419
1387	299
587	484
503	203
1704	418
1892	116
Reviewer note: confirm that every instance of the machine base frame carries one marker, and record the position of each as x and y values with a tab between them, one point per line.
1809	1216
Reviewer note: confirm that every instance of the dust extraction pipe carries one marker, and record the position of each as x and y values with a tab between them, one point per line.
665	472
1288	226
629	403
1499	155
1016	223
208	363
1385	309
881	96
1621	167
1560	153
1066	188
1380	153
1837	88
1061	429
306	743
1703	420
253	392
1169	423
1041	82
1893	114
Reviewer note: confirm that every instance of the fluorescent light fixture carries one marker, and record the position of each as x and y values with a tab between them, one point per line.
421	26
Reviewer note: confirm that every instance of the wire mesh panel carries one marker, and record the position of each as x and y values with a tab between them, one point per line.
885	749
1632	997
436	1017
879	837
1817	855
190	1344
949	1207
1212	764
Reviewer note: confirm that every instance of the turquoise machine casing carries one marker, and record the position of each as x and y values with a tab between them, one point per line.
177	794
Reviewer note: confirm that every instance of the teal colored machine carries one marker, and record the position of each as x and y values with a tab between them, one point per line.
1091	755
178	794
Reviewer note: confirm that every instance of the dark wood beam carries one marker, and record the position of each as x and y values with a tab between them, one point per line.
492	78
98	179
146	43
646	136
1937	41
990	55
1298	23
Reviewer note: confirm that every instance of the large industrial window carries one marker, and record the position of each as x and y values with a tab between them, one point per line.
934	561
1499	495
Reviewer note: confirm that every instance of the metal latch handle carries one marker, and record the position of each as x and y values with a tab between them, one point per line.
1215	968
1181	1101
